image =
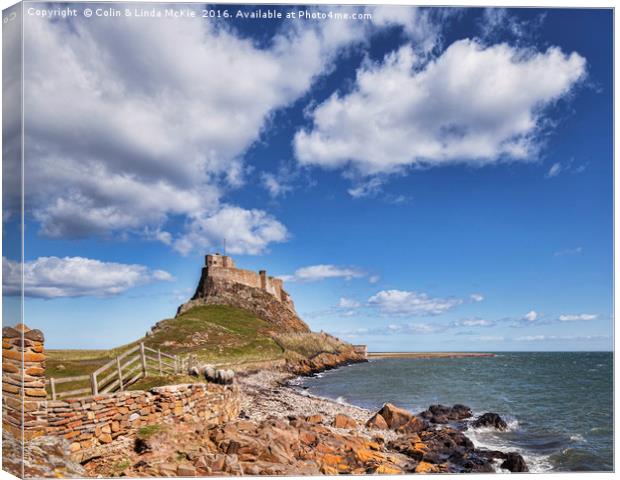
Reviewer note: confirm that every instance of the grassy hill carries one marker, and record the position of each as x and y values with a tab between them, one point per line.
216	334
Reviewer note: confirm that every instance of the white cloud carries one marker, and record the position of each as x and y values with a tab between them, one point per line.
374	279
473	322
147	131
499	22
540	338
274	185
582	317
367	189
490	338
315	273
243	231
568	251
554	171
396	329
411	303
473	104
531	316
348	303
54	277
476	297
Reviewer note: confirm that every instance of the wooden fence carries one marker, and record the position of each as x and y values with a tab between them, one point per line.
124	370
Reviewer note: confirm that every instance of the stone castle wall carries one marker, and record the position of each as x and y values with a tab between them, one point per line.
222	283
223	267
216	291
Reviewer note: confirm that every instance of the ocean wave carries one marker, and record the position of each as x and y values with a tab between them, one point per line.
577	438
537	463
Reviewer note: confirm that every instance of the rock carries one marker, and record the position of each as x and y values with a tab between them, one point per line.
394	416
186	471
413	426
61	368
442	414
490	420
514	463
314	419
378	422
344	421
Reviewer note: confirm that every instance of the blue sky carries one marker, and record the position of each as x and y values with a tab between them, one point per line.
425	179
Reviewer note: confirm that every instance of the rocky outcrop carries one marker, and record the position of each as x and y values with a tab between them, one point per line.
222	283
324	361
43	457
216	291
443	414
491	420
308	445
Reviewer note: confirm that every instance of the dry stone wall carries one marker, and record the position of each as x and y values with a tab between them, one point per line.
23	382
89	422
97	420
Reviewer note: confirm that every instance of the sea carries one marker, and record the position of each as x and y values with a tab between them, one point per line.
558	405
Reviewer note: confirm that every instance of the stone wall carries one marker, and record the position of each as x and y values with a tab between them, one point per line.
23	382
90	422
223	267
96	420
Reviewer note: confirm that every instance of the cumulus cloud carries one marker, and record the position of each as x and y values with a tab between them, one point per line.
242	231
147	131
473	104
476	297
54	277
531	316
315	273
402	302
582	317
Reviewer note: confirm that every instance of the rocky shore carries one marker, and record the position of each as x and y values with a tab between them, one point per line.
282	430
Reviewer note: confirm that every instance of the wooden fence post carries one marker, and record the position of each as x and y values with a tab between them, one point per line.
120	373
53	387
93	383
161	372
143	358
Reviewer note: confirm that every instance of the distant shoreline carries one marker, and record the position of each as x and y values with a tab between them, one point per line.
428	354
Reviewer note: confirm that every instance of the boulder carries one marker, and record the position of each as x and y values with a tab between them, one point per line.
344	421
394	416
414	425
490	420
442	414
514	462
378	422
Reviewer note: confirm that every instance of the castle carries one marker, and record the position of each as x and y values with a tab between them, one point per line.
222	283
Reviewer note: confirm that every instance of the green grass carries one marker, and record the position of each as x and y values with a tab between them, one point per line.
310	344
159	381
150	430
216	334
